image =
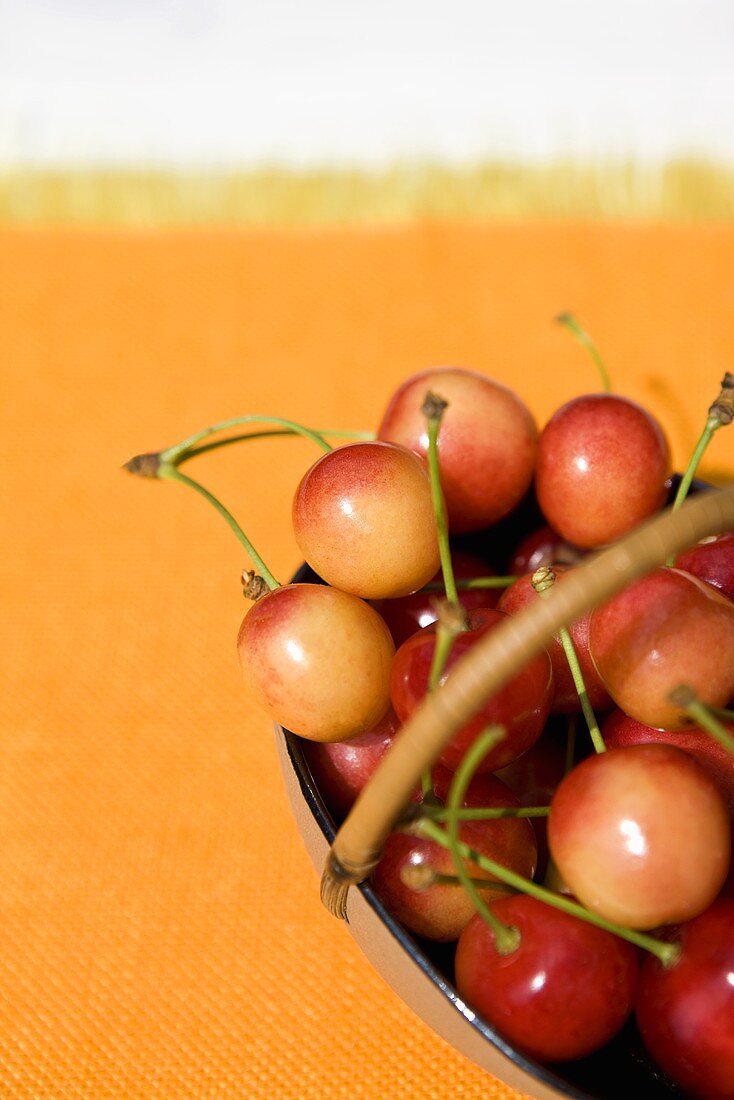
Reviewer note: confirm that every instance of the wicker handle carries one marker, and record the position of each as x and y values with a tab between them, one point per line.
488	665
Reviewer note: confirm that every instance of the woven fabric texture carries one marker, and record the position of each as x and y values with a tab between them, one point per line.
162	934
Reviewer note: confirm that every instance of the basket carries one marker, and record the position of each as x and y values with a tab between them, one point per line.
421	976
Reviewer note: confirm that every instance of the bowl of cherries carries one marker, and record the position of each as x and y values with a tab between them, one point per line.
501	683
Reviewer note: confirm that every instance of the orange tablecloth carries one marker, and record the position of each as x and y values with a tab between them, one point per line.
162	934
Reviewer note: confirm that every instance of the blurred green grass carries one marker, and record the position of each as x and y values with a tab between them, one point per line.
686	190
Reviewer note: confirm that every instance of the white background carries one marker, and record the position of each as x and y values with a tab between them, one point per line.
222	82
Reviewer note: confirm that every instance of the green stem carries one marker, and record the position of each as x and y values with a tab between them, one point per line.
427	877
194	452
486	813
171	473
570	322
178	452
720	413
474	582
444	640
542	581
668	953
579	683
712	424
722	713
433	408
506	939
685	697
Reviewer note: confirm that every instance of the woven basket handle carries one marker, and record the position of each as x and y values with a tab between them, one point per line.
493	660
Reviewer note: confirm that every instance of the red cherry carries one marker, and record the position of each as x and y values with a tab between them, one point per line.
641	835
563	993
565	696
363	519
686	1012
712	561
664	630
602	467
318	660
521	706
542	547
342	768
620	730
440	912
408	614
486	444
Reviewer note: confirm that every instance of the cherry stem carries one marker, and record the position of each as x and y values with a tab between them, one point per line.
722	712
179	452
421	876
506	939
475	582
685	697
712	424
447	628
433	409
194	452
485	813
543	580
667	953
570	322
720	414
172	473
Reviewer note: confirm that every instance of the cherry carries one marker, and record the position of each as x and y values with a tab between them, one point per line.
342	768
363	519
666	629
440	912
641	835
602	467
565	696
565	991
408	614
686	1011
712	561
620	730
521	707
543	546
487	443
318	660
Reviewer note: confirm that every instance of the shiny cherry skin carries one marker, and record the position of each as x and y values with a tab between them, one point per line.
542	547
565	696
712	561
486	444
408	614
666	629
440	912
521	706
318	660
641	835
603	463
342	768
620	730
686	1012
363	519
563	993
